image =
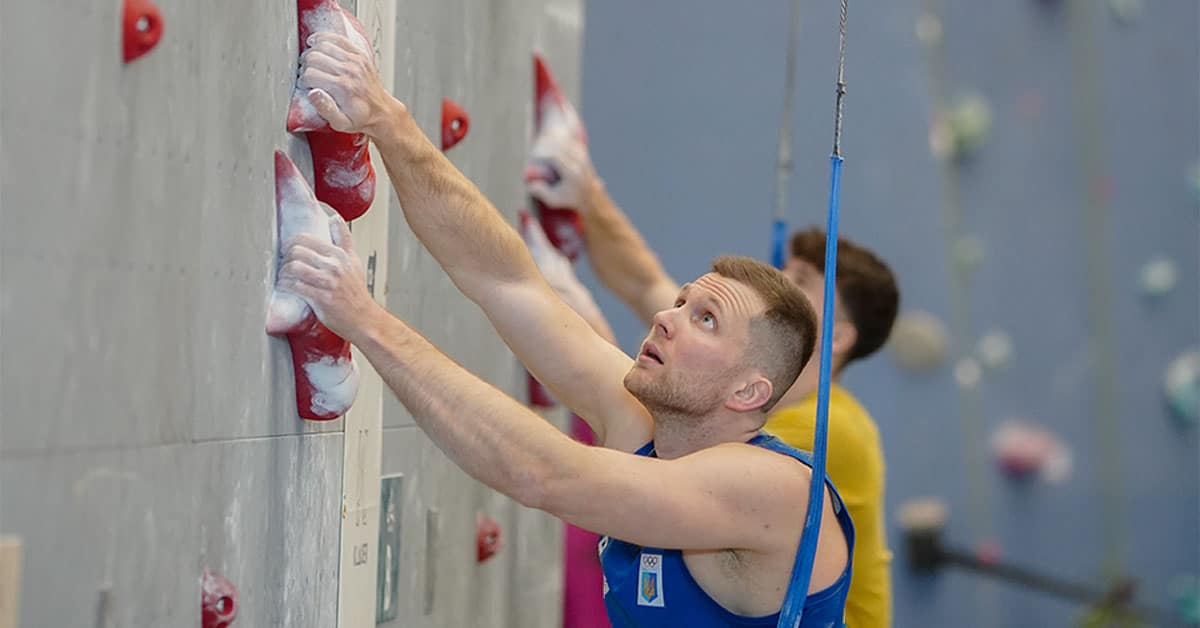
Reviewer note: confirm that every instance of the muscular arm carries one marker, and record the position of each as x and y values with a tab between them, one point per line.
481	252
622	260
560	274
730	496
488	261
694	502
491	436
600	325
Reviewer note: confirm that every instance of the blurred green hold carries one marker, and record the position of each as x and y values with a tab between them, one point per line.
1126	11
1185	590
969	253
1109	618
970	125
1112	611
1194	181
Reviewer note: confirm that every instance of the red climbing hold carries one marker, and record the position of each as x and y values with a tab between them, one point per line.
343	176
989	552
455	123
142	28
326	374
488	538
552	109
539	397
218	601
562	225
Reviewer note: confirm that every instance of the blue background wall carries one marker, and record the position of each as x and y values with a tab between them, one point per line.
1083	180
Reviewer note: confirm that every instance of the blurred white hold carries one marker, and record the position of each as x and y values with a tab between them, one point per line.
995	349
1158	277
1181	384
967	373
929	29
923	513
919	341
1057	467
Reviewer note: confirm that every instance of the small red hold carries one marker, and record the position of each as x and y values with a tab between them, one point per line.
1022	449
989	552
564	228
218	601
455	123
539	397
550	105
488	537
142	26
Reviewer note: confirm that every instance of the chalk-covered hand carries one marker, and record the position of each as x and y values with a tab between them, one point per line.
330	278
559	172
344	86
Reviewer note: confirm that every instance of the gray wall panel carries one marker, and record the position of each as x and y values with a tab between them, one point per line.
106	534
268	513
154	188
135	529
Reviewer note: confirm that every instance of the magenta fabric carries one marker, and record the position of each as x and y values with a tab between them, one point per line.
583	586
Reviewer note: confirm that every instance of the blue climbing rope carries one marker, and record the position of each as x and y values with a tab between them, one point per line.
784	163
793	604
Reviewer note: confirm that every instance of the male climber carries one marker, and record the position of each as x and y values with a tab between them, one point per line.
866	307
701	512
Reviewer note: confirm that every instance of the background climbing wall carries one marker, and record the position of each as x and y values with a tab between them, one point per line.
478	54
148	426
1041	235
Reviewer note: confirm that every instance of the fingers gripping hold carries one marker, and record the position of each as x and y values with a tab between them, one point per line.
328	108
303	276
339	232
334	44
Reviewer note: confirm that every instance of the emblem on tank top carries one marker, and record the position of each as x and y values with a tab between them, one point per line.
600	546
650	585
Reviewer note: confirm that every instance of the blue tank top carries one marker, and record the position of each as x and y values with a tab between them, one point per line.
647	586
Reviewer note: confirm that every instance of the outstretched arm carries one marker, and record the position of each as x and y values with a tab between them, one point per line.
622	259
618	253
731	496
559	273
481	252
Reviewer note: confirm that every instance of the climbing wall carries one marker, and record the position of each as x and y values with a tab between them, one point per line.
1030	170
148	425
477	54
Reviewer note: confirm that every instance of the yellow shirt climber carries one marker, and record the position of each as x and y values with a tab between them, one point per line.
854	461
